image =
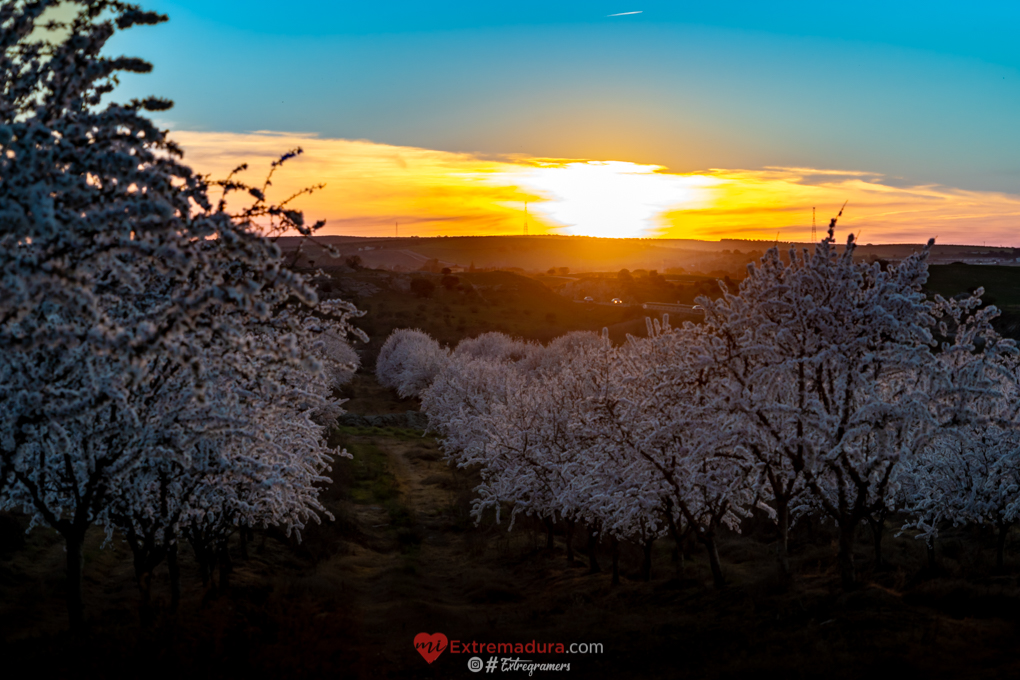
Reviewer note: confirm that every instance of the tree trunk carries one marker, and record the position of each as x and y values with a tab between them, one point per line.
593	544
679	561
175	577
1000	544
143	579
205	559
718	580
548	533
783	520
244	543
929	546
75	541
616	560
223	555
570	541
646	565
847	570
877	526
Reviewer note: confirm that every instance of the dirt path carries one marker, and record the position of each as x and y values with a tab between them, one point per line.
421	566
409	571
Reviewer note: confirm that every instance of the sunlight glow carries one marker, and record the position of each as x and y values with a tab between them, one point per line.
370	187
611	198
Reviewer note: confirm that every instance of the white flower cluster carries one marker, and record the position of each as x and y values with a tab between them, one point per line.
161	372
822	385
409	361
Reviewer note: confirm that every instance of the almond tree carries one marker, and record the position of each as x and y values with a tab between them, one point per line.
473	380
498	405
259	409
94	202
754	396
613	488
409	361
117	270
95	205
968	472
837	381
495	347
269	475
968	480
538	437
665	422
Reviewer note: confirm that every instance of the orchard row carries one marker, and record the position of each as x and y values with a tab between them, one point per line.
822	386
163	374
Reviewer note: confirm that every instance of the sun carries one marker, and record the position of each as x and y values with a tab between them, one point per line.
613	199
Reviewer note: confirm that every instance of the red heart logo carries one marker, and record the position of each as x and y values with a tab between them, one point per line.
430	646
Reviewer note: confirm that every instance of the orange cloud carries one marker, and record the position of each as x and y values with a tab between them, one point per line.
758	204
370	186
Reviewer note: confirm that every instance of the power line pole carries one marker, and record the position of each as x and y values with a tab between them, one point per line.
396	229
814	231
525	218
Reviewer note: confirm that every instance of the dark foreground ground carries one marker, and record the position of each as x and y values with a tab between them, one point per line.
403	557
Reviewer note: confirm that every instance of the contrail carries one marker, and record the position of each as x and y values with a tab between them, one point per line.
623	14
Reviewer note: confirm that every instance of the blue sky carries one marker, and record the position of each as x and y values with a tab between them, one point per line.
918	93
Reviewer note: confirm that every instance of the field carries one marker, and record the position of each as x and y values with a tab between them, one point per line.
541	307
403	557
537	254
478	303
204	475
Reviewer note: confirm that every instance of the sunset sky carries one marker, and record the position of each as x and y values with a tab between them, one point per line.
693	121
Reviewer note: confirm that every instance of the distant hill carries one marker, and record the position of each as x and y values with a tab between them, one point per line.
478	302
588	254
541	307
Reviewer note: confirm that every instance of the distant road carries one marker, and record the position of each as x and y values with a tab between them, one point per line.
673	307
668	307
606	304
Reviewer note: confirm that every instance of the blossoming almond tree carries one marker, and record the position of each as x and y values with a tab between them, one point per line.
830	364
539	439
95	207
409	361
253	451
465	391
753	397
666	425
968	472
117	271
611	488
